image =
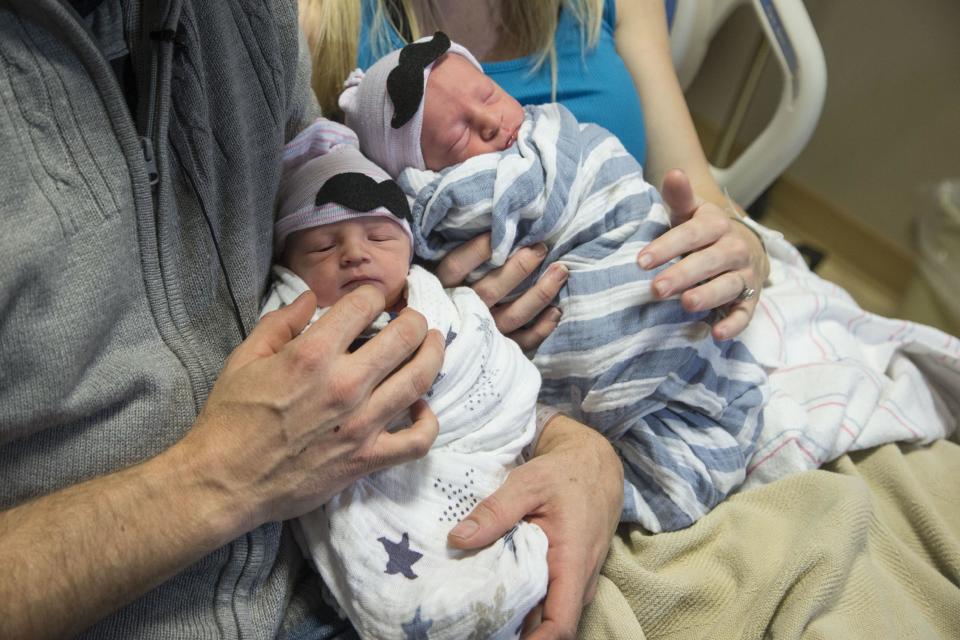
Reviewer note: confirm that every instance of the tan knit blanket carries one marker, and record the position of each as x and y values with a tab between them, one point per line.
866	547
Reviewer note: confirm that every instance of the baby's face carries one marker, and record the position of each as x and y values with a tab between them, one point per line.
465	114
334	259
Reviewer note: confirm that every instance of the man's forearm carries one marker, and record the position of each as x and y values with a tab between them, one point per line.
72	557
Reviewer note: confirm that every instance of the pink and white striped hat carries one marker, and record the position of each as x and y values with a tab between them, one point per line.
326	179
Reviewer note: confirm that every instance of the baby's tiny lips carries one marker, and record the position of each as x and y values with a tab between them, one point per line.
360	278
512	138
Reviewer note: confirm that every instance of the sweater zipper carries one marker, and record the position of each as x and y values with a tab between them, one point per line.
151	39
146	146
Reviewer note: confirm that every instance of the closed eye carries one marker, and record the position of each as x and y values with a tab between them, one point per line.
461	140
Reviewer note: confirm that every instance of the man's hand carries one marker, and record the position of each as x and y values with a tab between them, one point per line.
292	419
529	319
573	490
295	417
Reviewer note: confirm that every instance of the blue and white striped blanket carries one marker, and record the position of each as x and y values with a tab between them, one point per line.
682	410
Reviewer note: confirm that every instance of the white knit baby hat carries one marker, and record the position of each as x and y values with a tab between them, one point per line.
322	155
369	106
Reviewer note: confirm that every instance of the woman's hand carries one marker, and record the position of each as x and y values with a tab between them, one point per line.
572	489
529	319
723	258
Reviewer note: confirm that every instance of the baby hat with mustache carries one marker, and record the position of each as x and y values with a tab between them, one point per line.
385	104
327	179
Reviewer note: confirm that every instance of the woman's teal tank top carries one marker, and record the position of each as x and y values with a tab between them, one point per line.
595	86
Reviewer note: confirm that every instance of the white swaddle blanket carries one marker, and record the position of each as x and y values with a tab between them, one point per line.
842	379
381	544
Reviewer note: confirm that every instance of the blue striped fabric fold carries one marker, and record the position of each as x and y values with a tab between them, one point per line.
682	410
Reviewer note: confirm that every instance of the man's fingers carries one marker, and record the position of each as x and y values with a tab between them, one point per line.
532	620
678	195
515	314
457	265
387	350
274	330
591	591
495	515
405	385
551	630
561	609
529	338
345	320
498	283
410	443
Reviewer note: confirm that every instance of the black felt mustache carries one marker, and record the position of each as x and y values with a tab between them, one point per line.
362	193
405	82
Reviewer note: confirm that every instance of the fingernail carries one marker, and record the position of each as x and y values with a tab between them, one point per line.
662	287
645	260
560	272
555	314
541	249
465	529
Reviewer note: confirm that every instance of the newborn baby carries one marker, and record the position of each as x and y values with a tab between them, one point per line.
381	544
682	410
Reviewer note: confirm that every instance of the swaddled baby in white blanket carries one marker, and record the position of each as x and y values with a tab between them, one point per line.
380	545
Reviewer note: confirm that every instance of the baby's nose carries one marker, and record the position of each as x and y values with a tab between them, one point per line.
489	124
352	251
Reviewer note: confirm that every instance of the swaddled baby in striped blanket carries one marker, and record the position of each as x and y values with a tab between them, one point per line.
682	410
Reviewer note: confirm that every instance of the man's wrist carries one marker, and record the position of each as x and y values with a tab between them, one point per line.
544	414
559	431
188	475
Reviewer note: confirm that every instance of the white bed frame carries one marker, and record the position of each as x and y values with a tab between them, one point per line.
789	35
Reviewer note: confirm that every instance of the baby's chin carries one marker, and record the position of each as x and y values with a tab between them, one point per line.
393	297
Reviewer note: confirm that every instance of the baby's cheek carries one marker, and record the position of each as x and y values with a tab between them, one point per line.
323	285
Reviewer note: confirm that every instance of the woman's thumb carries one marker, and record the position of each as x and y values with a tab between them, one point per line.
678	196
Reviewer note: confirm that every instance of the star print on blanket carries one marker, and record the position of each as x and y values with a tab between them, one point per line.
402	557
508	542
417	628
493	616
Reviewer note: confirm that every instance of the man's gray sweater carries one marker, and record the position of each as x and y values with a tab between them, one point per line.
120	299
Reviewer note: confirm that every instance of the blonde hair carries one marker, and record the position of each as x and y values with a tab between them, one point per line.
332	29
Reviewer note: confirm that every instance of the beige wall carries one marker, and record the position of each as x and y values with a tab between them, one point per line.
891	120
